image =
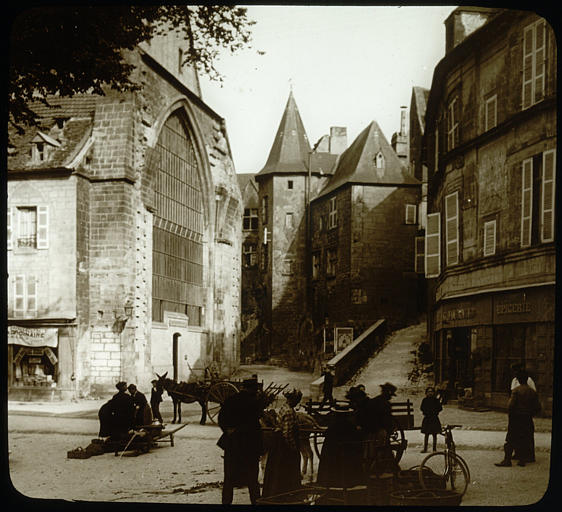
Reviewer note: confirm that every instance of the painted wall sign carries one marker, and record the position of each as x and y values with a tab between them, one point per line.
32	337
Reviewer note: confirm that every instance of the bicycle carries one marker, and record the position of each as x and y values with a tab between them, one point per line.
446	468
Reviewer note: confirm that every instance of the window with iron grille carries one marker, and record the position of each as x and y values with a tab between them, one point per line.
28	227
250	219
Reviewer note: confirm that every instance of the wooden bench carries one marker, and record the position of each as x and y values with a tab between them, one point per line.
403	413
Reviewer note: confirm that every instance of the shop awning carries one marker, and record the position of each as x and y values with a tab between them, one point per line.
33	337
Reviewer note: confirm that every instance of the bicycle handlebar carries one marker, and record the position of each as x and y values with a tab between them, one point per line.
452	426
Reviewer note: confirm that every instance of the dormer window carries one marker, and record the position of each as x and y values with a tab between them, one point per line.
379	160
41	145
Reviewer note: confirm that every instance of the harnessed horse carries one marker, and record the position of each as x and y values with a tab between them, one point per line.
186	392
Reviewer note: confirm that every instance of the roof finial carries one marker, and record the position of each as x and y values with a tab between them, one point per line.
290	84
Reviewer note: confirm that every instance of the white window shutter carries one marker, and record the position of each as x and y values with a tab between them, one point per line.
526	201
31	295
490	238
548	186
528	67
19	296
452	228
433	245
9	229
539	62
43	227
419	261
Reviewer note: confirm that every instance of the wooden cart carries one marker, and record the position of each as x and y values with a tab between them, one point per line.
143	438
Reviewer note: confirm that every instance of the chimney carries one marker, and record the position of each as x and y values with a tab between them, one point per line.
338	139
399	140
463	21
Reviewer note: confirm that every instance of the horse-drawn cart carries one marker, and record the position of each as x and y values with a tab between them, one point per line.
211	393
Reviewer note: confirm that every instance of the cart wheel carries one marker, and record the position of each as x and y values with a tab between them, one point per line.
398	442
218	393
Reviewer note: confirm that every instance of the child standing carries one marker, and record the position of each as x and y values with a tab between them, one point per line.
430	407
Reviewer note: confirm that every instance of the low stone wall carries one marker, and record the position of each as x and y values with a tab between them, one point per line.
353	357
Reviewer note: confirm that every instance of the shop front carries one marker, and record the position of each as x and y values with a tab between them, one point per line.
478	338
34	367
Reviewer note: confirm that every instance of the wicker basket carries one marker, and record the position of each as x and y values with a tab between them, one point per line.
78	453
425	498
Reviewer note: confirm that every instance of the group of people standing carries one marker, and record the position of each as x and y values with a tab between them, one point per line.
242	440
127	409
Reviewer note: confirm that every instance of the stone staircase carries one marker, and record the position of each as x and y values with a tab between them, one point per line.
393	363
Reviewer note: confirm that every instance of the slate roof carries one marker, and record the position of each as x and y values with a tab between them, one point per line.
357	163
78	112
244	179
290	149
419	98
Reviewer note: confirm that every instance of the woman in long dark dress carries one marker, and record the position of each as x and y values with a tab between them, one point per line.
430	407
282	471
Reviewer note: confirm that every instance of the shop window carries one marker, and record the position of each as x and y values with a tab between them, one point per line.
433	245
34	366
250	220
534	63
508	349
452	228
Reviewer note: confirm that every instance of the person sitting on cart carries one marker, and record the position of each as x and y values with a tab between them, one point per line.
241	441
328	385
117	415
143	414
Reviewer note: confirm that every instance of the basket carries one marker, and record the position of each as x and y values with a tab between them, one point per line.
410	479
425	498
78	453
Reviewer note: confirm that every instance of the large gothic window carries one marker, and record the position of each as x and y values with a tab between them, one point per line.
177	257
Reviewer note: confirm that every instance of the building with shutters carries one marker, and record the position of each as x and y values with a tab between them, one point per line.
490	150
123	236
362	231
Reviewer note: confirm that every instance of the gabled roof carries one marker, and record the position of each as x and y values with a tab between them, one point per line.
357	163
419	102
290	149
244	179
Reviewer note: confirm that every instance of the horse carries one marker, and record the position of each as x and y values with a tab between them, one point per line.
186	392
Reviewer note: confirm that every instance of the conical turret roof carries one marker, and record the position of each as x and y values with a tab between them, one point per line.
358	163
289	153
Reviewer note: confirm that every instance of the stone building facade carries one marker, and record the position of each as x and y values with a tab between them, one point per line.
490	149
363	224
123	236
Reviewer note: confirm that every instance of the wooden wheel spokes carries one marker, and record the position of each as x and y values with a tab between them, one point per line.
218	393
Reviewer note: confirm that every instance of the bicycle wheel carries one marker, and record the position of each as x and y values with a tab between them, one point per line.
462	461
445	470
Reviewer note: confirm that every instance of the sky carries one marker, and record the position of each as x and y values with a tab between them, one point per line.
347	66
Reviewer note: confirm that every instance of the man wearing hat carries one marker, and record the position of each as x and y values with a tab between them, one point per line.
241	441
117	415
155	399
143	414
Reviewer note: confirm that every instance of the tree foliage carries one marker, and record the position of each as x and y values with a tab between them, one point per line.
77	48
